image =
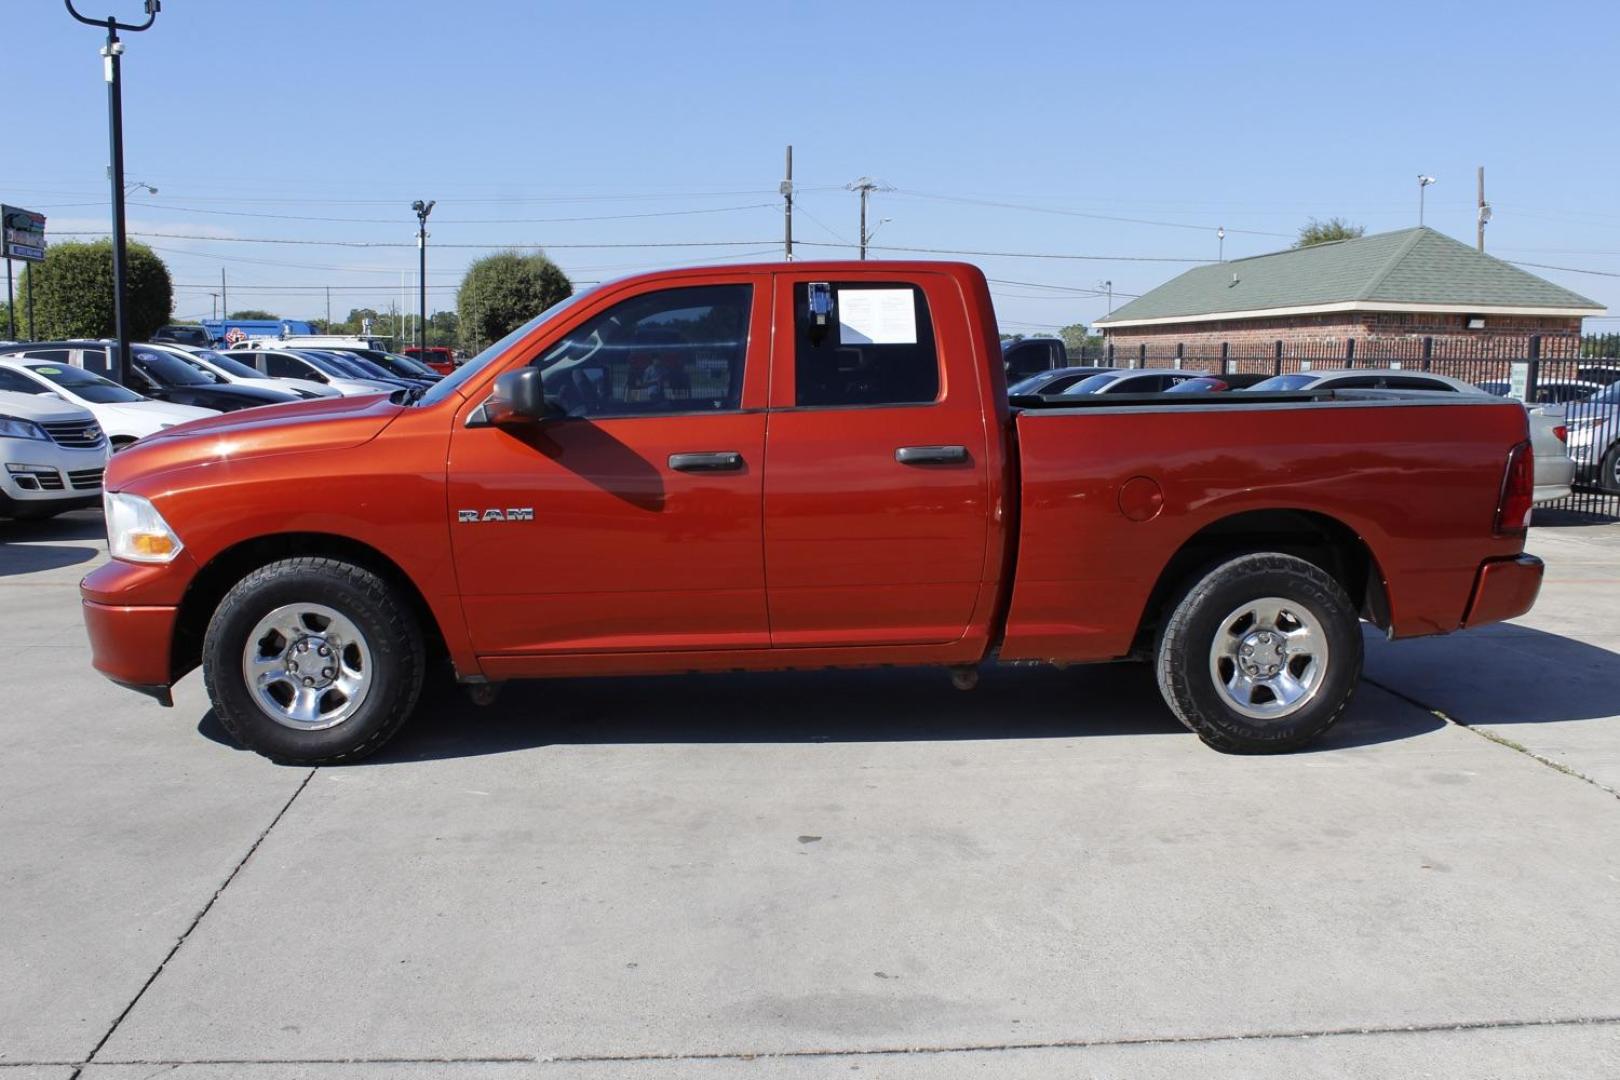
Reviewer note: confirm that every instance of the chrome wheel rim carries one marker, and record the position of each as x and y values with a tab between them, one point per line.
307	666
1269	658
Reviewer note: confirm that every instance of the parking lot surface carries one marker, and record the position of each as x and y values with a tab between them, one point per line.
806	875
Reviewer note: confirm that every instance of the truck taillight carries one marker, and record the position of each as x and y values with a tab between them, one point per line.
1518	492
1562	432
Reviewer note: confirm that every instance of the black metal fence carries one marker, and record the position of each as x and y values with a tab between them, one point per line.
1572	375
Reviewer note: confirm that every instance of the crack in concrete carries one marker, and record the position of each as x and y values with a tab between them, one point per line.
195	922
892	1051
1491	736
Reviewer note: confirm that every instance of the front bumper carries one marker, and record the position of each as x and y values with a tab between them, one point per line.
1504	589
131	645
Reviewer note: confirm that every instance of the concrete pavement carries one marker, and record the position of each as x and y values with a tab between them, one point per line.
793	876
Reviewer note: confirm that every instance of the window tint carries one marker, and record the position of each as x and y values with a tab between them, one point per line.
19	383
875	347
282	366
675	350
1360	382
1278	383
1407	382
87	385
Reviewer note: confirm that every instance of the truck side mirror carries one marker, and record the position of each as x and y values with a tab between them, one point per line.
519	398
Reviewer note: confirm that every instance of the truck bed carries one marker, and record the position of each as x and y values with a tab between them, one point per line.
1116	488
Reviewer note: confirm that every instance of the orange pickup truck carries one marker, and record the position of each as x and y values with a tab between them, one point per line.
790	466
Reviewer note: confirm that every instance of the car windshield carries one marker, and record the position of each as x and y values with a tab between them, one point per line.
1092	384
449	384
400	367
1609	395
326	362
1198	386
170	370
1285	382
232	365
84	384
1031	385
361	367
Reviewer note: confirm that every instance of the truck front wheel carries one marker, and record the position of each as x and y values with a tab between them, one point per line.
312	661
1261	655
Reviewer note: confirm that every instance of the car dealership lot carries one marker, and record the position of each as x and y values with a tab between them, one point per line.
800	875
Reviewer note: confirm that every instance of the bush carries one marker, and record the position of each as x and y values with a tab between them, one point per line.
73	293
503	291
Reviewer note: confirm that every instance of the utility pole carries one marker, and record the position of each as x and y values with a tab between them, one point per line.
866	185
111	53
224	303
1109	287
787	196
213	300
423	209
11	306
1484	215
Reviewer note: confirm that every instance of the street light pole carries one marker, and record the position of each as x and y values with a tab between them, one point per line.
111	52
423	209
1220	237
1423	186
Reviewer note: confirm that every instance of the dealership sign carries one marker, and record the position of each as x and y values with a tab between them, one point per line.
24	234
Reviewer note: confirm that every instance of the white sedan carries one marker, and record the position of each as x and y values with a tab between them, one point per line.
123	414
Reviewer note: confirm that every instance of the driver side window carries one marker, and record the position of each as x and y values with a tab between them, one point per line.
670	351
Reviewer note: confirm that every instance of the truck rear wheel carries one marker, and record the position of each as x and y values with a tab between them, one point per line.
312	661
1261	655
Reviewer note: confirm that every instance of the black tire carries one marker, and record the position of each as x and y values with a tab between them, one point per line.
1608	478
391	633
1185	660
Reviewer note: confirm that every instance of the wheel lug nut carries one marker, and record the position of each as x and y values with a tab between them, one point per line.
308	681
327	673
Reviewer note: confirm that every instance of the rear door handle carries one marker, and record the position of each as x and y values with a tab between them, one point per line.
711	461
931	455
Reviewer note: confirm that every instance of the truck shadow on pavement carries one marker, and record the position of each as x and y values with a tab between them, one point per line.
27	547
898	705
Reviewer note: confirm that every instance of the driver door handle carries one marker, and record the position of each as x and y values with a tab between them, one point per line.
709	461
931	455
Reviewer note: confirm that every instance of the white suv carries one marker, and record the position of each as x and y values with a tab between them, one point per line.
52	455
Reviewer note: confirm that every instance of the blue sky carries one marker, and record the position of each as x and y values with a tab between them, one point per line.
666	123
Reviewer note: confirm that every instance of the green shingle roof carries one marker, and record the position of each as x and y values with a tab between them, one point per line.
1412	266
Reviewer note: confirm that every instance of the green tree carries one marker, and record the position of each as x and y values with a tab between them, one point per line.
253	313
1324	232
1074	336
444	328
501	292
73	292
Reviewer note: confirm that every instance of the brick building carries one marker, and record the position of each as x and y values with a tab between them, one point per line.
1387	290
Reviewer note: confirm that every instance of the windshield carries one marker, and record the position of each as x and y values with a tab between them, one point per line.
1031	385
1609	395
170	370
449	384
1091	384
326	362
85	384
407	366
1285	382
1198	386
361	367
232	365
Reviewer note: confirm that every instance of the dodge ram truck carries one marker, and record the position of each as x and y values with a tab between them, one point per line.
796	465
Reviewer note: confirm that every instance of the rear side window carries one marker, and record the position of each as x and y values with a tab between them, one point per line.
285	367
873	344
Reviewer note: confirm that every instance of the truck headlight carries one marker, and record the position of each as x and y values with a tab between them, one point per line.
136	532
12	427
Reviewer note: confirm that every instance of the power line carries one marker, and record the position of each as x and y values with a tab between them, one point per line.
1012	254
404	244
1065	288
1569	269
450	221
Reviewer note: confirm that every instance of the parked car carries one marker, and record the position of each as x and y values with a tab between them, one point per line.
184	334
161	375
1554	468
317	341
1053	382
438	357
122	413
400	367
1548	391
634	483
1130	381
52	455
1594	437
1032	356
362	368
311	365
1208	384
235	371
